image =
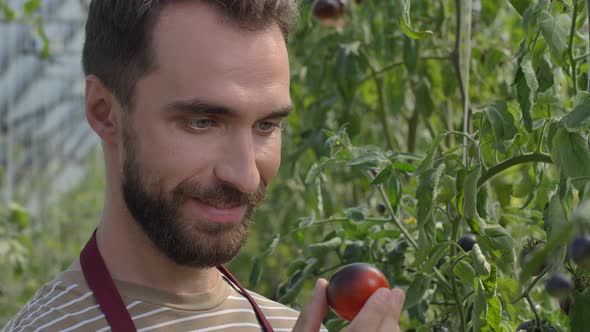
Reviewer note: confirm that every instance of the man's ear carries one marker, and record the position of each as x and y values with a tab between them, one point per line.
102	110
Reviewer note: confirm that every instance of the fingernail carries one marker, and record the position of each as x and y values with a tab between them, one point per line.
398	295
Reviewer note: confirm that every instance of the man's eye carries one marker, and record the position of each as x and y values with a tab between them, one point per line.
200	124
267	126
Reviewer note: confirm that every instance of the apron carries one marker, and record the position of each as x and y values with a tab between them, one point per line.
102	285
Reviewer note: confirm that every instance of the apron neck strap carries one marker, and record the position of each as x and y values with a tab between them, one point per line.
108	298
261	319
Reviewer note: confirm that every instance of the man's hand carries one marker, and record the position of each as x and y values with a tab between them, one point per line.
381	312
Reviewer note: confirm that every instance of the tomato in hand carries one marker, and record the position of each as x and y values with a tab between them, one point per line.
351	286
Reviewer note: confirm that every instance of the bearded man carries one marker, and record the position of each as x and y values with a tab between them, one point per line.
187	97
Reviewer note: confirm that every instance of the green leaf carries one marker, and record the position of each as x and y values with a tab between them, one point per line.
578	119
581	98
383	175
271	245
521	5
410	54
579	317
544	74
31	6
426	193
526	89
18	215
424	102
417	290
401	166
45	51
346	71
7	11
427	162
570	153
470	193
355	214
490	283
554	35
255	273
330	245
480	264
295	283
406	24
482	201
494	314
465	271
435	255
480	306
353	252
412	33
502	123
496	237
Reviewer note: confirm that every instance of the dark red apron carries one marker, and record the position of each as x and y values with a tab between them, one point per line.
102	285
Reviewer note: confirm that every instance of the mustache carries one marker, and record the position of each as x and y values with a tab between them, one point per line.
219	194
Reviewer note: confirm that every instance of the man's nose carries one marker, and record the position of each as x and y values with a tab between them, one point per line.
238	165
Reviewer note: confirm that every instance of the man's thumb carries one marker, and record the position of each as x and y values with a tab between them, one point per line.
310	319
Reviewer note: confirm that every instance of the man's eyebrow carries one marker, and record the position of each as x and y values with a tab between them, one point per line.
197	106
282	112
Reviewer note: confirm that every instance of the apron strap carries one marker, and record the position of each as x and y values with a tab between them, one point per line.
261	319
102	285
108	298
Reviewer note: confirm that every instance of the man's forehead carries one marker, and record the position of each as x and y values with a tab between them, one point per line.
192	32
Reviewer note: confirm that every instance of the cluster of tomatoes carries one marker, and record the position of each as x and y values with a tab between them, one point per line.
558	285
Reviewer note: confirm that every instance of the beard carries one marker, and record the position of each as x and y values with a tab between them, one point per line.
194	242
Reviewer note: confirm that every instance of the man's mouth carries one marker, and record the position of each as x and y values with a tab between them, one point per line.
220	212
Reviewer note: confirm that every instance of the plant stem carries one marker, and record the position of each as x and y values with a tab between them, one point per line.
459	304
533	283
461	61
504	165
375	73
382	113
571	46
532	305
398	223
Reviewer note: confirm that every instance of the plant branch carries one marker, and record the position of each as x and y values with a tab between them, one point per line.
455	54
533	283
459	304
504	165
571	47
398	223
532	305
375	72
382	113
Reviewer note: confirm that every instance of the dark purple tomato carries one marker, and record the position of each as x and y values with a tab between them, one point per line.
351	286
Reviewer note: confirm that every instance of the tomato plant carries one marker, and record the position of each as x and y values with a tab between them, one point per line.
446	143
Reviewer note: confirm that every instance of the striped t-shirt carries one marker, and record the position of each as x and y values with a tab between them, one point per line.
67	304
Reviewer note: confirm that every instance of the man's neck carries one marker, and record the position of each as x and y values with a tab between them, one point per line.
130	256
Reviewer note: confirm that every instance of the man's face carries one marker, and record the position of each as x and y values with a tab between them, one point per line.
203	139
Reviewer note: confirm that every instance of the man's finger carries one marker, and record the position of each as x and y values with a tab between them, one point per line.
399	297
310	319
391	322
382	310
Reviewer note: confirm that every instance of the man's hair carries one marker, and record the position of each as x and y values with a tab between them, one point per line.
118	47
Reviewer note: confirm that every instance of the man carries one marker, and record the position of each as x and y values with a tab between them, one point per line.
187	98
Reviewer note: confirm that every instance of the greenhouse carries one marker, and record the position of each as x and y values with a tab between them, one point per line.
44	135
